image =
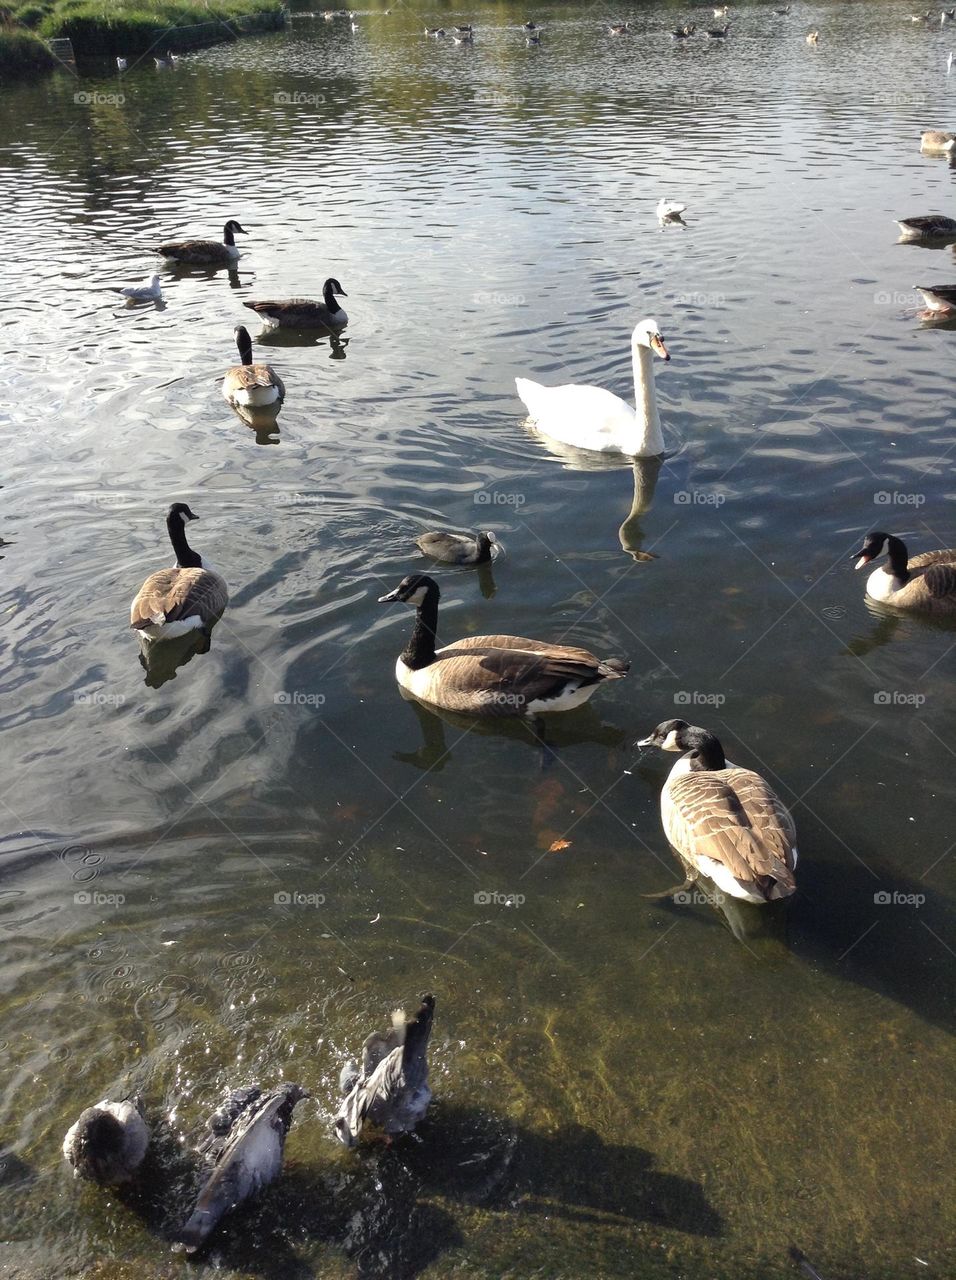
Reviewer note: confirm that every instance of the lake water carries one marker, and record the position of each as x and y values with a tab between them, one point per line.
206	884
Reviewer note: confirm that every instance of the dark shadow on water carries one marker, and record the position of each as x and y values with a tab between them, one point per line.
890	624
162	659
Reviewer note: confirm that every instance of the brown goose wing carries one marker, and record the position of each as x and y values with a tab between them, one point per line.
733	817
940	580
522	642
270	306
187	249
243	377
510	676
172	594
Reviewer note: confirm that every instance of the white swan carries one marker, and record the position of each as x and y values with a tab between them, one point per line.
592	418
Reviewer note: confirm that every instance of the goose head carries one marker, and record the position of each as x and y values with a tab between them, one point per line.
647	334
332	289
413	590
181	510
703	747
232	226
243	343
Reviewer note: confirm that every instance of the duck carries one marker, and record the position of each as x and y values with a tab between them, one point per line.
946	15
463	37
723	821
592	418
940	299
166	62
531	26
722	11
813	37
929	226
205	251
301	313
935	141
251	386
492	675
122	64
927	582
149	291
437	32
188	597
108	1142
459	548
669	213
719	33
243	1152
466	28
683	33
390	1089
619	28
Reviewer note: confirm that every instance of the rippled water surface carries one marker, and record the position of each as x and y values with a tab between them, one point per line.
206	883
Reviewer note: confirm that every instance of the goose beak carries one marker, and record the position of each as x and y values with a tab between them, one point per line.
657	344
645	742
392	595
862	562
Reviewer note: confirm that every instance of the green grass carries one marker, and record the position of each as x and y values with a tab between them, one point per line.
110	27
21	53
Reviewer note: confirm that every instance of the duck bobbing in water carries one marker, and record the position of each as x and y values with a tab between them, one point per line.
108	1142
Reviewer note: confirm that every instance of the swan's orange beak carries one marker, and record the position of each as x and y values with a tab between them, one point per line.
657	344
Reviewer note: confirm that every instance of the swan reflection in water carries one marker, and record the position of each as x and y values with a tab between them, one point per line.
548	733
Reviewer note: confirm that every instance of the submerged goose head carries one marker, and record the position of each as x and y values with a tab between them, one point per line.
704	750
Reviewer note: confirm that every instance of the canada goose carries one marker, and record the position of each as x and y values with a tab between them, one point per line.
531	26
465	29
248	385
533	39
166	62
150	291
121	64
719	33
391	1088
355	25
301	313
456	548
946	15
205	251
813	37
619	28
920	17
244	1151
722	11
463	37
683	33
927	226
669	213
592	418
492	675
188	597
108	1142
936	142
724	822
782	12
940	299
926	582
437	32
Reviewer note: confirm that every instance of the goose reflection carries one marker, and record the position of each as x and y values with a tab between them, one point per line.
547	734
888	623
161	662
305	338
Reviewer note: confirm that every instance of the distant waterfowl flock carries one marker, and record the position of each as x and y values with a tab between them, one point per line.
723	821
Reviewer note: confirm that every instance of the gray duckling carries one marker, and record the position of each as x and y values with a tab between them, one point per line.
244	1151
108	1142
459	548
391	1088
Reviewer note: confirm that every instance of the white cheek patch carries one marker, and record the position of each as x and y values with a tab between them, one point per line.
418	596
670	742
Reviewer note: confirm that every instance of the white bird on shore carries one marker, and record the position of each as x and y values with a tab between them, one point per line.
669	212
150	291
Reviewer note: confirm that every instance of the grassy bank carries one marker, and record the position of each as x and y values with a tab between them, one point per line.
21	53
109	27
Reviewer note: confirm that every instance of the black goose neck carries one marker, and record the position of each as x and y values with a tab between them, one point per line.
244	343
186	558
227	235
420	650
899	558
328	293
706	753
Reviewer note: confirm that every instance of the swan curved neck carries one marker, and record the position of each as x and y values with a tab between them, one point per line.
647	425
